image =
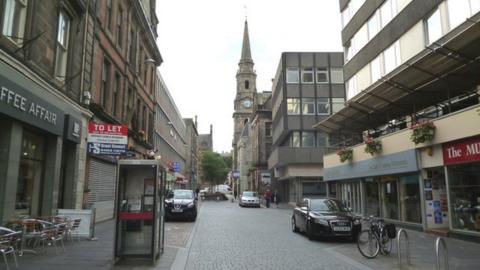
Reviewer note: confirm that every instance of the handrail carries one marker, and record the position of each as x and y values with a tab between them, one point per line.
399	236
445	256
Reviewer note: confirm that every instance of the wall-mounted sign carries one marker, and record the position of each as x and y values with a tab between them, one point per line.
236	174
19	103
107	139
462	151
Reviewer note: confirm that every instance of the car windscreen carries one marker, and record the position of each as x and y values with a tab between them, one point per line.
249	194
328	206
182	194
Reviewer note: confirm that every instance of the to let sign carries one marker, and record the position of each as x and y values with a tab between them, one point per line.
107	139
461	152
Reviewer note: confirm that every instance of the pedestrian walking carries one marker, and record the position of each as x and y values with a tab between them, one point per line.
235	194
268	198
275	198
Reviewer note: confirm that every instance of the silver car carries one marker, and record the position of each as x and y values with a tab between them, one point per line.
249	198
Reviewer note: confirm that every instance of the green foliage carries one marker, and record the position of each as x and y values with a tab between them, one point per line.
345	154
422	132
214	167
228	160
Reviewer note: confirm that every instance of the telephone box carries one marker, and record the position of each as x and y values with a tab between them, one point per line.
139	205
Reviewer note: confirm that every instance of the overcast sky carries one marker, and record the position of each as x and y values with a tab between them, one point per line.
201	40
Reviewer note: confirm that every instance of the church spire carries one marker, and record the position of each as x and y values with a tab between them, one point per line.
246	54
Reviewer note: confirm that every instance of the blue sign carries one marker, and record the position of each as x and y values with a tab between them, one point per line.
176	166
401	162
106	148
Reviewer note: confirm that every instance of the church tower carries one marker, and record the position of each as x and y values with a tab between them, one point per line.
246	89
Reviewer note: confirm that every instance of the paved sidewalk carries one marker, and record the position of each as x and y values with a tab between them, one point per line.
98	255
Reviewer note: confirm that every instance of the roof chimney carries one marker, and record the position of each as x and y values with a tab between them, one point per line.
211	129
196	122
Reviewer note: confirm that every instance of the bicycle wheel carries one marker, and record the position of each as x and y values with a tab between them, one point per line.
367	244
387	245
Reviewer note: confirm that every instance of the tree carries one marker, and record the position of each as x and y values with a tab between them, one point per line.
214	168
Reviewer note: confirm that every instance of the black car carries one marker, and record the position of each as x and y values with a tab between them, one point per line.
324	218
181	204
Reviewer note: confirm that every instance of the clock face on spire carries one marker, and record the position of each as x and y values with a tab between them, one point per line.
247	103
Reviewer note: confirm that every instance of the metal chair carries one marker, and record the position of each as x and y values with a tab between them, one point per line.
8	245
74	228
54	233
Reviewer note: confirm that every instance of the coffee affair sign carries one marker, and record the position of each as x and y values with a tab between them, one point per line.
25	106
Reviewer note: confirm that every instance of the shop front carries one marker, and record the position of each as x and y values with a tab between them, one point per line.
385	186
462	167
40	142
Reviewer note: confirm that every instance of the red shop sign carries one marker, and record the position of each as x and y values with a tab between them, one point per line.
462	151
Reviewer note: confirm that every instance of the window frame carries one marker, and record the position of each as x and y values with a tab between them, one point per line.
337	70
307	71
293	71
427	27
14	33
309	102
105	85
119	26
324	71
62	47
324	101
292	102
335	101
303	138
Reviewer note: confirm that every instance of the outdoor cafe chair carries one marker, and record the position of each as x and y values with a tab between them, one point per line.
53	233
32	234
8	245
74	229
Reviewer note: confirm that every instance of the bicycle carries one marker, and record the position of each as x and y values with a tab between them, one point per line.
376	239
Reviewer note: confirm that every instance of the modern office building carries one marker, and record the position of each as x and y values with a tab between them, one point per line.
170	136
42	107
191	166
307	88
411	72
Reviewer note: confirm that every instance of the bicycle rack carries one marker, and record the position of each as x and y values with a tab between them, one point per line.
399	236
445	251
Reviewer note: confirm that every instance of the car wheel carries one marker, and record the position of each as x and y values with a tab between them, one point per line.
309	231
294	225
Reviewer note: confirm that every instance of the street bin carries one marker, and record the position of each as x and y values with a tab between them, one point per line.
139	210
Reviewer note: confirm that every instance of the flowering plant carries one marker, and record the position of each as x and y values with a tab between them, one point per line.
372	146
345	154
422	132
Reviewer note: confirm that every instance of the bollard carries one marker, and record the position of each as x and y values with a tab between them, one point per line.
445	250
399	235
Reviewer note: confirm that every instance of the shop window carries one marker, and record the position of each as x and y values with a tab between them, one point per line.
314	189
14	17
30	174
464	181
409	192
372	200
390	198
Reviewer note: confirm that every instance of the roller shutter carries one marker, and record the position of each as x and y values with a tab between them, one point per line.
102	179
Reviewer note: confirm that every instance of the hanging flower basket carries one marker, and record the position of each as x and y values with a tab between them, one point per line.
345	154
372	146
422	132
